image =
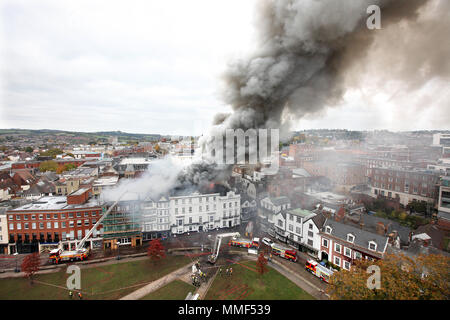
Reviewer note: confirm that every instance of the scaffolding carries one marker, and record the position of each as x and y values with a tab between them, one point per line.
123	224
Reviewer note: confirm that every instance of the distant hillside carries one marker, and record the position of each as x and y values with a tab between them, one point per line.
94	135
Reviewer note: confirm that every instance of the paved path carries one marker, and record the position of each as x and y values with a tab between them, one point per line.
300	281
155	285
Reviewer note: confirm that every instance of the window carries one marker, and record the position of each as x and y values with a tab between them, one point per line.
337	247
350	238
79	223
372	246
86	222
71	215
49	225
78	214
33	226
348	252
291	227
280	223
55	216
63	225
328	229
41	225
325	243
17	217
310	242
11	226
337	261
63	215
190	218
298	230
25	217
56	225
183	210
86	214
346	265
310	234
310	226
358	255
48	216
176	210
291	217
71	224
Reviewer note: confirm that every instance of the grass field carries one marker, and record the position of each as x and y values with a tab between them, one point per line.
175	290
247	284
103	282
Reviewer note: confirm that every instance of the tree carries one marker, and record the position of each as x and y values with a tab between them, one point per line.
29	149
49	165
30	265
156	250
424	277
261	264
52	152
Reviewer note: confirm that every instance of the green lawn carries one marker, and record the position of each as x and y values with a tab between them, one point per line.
246	284
97	282
175	290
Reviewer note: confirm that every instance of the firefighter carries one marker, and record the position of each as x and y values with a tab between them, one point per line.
80	296
220	271
231	271
70	294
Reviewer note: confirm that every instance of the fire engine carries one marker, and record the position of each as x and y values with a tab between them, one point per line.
80	253
283	252
244	243
318	270
57	255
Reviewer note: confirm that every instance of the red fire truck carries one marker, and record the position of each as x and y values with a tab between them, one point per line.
56	256
244	243
283	252
318	270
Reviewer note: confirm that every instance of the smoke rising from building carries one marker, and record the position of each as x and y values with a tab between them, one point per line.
309	52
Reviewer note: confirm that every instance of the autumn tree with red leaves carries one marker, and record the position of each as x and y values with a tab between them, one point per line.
156	250
30	265
261	264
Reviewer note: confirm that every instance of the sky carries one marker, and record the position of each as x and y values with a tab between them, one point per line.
154	67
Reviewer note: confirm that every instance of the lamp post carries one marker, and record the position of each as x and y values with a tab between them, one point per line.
17	257
118	250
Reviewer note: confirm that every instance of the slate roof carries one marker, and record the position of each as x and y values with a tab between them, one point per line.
280	201
370	223
362	237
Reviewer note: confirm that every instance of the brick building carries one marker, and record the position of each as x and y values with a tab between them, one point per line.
341	244
51	220
405	185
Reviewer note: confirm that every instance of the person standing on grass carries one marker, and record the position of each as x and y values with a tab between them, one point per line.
70	294
231	271
80	296
220	271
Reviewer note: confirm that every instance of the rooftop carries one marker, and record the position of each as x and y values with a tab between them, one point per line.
301	212
53	203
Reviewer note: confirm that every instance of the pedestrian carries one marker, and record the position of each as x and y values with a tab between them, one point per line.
220	271
80	296
70	294
231	271
226	271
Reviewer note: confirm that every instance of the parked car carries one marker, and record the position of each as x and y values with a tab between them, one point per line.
267	242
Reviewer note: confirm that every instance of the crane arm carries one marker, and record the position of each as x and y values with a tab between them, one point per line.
81	243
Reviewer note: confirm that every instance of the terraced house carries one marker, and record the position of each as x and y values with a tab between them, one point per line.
342	244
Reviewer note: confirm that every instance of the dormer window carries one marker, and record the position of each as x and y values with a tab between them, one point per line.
350	238
372	246
328	229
